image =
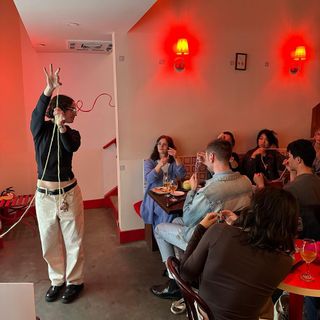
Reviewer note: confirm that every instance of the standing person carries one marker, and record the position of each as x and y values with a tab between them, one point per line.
235	261
263	160
59	203
164	161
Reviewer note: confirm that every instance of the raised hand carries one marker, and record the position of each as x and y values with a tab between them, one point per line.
59	117
194	182
52	79
229	216
209	219
172	152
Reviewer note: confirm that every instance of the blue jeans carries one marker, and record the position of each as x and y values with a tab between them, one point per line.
311	307
168	235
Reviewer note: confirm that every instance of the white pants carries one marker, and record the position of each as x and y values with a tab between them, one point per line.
61	235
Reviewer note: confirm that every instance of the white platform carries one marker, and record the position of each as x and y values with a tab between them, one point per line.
17	301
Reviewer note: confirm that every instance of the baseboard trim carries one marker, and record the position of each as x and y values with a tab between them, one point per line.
124	236
131	235
94	204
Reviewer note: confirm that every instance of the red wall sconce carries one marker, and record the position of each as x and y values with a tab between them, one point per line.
181	50
298	56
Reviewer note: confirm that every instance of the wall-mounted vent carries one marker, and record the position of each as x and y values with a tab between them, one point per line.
90	46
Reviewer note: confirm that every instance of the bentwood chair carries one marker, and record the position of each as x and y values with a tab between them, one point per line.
192	299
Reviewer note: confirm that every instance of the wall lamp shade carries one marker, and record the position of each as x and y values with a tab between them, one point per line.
298	56
299	53
181	50
182	47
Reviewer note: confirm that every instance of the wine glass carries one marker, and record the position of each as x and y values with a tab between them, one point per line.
308	253
173	186
165	180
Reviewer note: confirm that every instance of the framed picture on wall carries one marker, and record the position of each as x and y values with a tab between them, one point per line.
241	61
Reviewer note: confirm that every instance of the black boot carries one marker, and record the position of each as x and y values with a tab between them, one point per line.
169	290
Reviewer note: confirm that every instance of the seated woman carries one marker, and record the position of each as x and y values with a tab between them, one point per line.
316	145
264	158
241	264
163	161
234	160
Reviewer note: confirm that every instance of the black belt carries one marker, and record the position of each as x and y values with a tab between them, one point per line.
57	191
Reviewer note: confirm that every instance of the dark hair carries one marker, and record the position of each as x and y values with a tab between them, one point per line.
155	153
222	149
271	137
230	134
271	221
304	149
64	102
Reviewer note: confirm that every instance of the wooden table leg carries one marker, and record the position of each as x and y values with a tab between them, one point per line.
151	241
295	306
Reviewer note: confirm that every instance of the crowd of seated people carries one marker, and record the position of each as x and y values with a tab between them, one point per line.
228	190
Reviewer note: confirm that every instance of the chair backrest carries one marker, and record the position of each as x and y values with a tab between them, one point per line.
192	299
310	216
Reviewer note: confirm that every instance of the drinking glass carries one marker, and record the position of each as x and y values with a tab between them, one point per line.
165	180
308	253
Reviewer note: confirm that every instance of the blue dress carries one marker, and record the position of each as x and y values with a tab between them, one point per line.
151	212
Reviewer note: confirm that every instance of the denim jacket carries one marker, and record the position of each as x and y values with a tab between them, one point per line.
225	190
151	213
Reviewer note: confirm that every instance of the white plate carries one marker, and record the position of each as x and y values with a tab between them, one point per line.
177	193
160	190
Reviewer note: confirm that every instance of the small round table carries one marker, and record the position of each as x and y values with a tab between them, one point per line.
299	288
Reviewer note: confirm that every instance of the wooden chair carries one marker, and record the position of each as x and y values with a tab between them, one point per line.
192	299
310	216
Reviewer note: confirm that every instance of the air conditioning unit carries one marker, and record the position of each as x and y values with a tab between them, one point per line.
96	46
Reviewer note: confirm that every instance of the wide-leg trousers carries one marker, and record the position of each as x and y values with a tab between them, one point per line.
61	234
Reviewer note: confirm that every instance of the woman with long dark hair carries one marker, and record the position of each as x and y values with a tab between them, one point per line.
163	161
242	262
264	158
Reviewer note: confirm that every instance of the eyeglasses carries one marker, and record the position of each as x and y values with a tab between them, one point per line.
74	110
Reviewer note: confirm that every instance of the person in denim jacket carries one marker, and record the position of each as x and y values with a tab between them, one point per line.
225	190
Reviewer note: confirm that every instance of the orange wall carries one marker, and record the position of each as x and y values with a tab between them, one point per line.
14	158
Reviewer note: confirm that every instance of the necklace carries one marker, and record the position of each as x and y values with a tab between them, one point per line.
264	164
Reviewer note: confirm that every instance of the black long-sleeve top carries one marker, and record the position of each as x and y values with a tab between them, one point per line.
269	165
236	279
42	132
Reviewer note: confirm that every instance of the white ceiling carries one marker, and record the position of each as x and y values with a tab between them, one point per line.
51	23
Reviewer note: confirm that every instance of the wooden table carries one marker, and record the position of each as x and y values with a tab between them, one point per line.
299	288
166	203
169	207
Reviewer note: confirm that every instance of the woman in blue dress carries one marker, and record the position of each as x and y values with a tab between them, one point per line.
163	162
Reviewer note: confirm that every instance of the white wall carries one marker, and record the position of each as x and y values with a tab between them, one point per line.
196	105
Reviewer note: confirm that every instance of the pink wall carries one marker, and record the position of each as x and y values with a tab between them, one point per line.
211	96
84	77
